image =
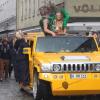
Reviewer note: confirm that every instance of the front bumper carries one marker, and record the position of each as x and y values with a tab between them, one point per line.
68	85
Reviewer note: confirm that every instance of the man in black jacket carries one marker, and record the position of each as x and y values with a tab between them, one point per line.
5	56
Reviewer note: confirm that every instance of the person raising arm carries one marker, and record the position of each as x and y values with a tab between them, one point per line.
46	29
56	25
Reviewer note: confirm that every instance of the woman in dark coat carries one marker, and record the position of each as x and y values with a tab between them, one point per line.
21	64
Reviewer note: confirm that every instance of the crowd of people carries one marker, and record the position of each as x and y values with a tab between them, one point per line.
12	57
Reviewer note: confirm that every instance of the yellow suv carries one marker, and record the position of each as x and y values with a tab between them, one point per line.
63	66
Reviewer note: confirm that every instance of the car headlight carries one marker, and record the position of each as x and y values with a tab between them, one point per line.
46	68
56	67
97	67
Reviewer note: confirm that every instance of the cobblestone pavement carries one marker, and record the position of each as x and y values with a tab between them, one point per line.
9	91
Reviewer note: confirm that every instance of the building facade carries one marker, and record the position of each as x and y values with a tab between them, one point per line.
7	15
28	14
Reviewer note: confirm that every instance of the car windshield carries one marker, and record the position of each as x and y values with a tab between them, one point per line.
66	44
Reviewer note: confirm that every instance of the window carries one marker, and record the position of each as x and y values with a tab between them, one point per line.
30	8
26	9
22	10
33	8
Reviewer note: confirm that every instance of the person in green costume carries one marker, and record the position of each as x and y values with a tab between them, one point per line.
55	22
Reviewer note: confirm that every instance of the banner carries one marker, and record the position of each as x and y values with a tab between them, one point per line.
83	8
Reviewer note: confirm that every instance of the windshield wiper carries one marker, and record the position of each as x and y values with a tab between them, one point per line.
50	52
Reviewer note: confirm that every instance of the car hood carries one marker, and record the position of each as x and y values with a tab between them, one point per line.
68	57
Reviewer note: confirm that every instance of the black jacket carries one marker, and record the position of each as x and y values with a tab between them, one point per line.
19	45
5	52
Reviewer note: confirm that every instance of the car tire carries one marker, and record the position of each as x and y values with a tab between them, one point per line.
40	90
36	89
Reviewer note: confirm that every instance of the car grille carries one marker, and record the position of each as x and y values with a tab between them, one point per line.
77	67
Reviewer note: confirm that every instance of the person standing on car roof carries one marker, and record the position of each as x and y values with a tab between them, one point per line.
55	22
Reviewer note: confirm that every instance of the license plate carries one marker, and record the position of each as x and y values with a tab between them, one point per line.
78	76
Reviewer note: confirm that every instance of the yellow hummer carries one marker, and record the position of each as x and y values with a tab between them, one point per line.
63	66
